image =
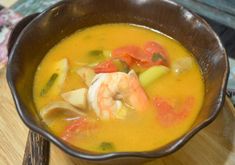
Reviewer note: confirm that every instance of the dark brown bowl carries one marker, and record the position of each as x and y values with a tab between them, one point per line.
64	18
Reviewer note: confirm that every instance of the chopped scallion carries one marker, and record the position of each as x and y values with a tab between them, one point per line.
49	84
157	56
95	52
106	146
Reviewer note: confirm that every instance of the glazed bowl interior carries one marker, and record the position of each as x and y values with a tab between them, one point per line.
61	20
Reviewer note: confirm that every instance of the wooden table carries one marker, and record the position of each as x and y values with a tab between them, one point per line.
215	145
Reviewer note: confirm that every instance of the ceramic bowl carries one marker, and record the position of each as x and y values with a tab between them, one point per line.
43	31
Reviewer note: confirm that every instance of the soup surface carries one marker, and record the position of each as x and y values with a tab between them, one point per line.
118	87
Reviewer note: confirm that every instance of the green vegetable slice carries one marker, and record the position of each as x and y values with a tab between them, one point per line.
49	84
121	65
150	75
95	52
158	56
106	146
107	53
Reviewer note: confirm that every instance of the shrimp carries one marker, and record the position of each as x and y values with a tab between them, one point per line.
109	90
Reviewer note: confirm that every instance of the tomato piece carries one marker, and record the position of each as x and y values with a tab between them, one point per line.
80	125
166	115
129	54
151	54
152	47
106	67
169	113
156	53
127	59
188	103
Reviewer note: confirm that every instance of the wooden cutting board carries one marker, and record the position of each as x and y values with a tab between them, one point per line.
214	145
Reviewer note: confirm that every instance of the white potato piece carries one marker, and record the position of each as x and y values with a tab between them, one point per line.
87	74
77	98
51	110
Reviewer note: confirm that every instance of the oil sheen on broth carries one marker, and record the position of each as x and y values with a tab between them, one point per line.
118	87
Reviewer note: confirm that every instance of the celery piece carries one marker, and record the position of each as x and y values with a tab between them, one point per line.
150	75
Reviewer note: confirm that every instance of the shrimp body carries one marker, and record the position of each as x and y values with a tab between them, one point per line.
108	91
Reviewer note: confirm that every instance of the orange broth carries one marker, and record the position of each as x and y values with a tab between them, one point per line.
140	130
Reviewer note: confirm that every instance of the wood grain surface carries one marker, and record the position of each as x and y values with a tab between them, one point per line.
37	150
214	145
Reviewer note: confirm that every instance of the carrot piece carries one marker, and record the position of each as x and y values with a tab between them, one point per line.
106	67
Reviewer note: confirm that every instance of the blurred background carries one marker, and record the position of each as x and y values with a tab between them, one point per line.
219	13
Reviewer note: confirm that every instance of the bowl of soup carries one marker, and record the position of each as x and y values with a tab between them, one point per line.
111	79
